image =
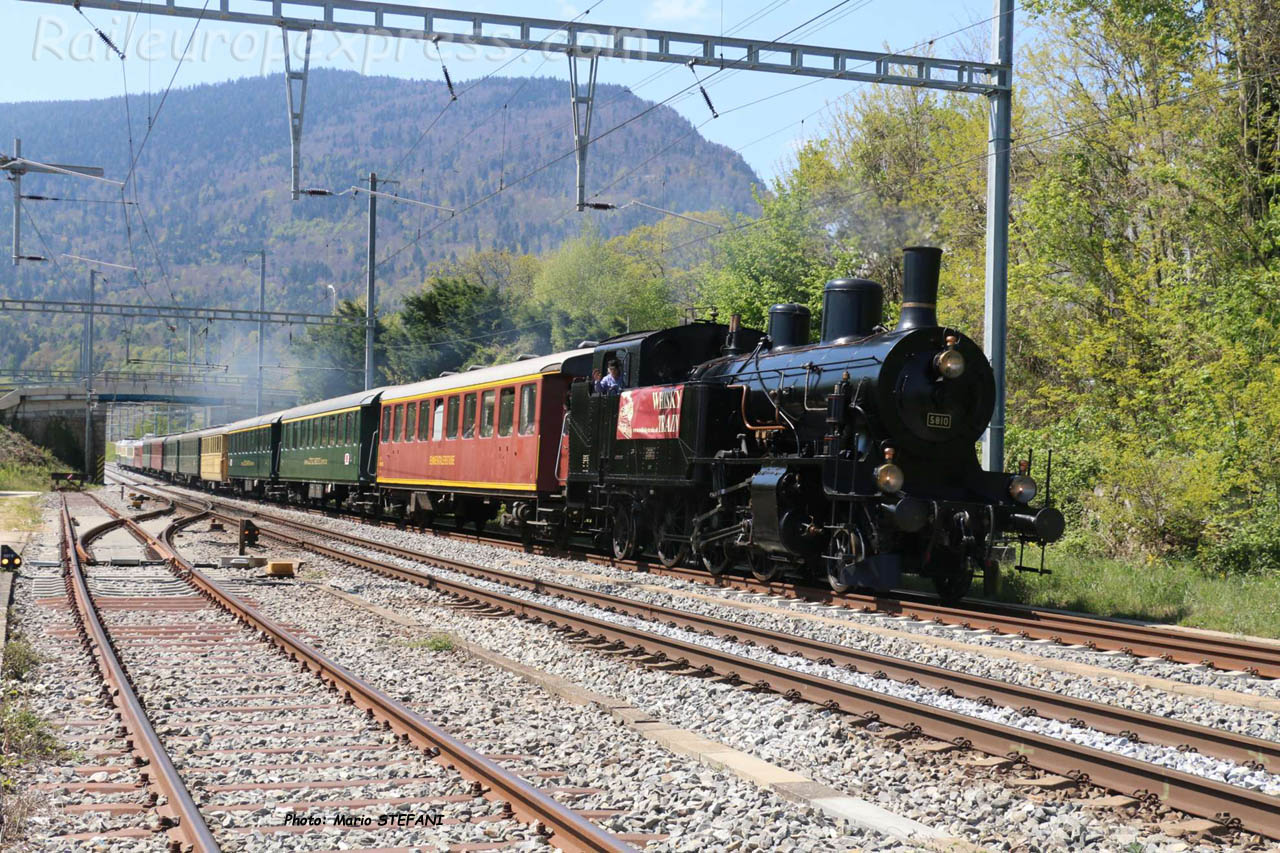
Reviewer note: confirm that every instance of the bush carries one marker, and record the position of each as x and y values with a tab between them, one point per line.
24	734
19	659
1251	545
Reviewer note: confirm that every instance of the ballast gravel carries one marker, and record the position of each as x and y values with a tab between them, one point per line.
621	582
63	689
944	794
548	740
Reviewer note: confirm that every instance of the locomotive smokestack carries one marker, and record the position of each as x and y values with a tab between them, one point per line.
920	266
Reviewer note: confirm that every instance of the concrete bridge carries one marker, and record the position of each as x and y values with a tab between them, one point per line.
53	415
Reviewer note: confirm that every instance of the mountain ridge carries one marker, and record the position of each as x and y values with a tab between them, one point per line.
212	182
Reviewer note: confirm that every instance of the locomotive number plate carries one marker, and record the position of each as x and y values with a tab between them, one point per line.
937	420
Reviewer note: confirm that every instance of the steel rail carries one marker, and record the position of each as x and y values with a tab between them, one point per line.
1230	805
1242	749
569	830
91	535
187	822
1098	633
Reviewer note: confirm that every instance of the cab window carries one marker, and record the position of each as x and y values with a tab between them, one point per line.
506	411
386	424
437	425
528	408
486	414
469	416
453	417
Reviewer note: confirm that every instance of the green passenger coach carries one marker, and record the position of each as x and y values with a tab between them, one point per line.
251	452
327	450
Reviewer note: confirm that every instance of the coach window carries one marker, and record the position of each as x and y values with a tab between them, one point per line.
324	432
506	411
528	408
332	432
424	420
386	424
399	423
453	418
469	416
348	435
437	423
486	414
411	422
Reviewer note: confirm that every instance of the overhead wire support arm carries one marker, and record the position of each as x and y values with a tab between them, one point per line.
17	166
399	198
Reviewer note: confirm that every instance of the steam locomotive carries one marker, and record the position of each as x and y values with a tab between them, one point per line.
851	458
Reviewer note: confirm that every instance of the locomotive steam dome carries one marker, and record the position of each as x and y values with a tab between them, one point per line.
851	309
788	325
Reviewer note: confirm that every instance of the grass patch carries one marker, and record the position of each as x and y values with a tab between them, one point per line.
24	478
24	734
434	643
1177	591
25	737
24	466
20	514
19	659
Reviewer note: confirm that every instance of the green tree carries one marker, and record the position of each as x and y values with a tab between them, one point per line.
333	356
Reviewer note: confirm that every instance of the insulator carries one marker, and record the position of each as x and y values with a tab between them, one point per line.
707	98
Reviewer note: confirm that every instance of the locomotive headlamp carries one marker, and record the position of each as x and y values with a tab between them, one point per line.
889	478
1022	489
949	363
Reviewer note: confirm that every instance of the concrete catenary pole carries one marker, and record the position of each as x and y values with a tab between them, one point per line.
370	287
89	466
262	327
16	179
997	272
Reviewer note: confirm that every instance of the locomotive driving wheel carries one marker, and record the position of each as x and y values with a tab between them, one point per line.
763	567
624	532
672	535
715	557
844	550
952	584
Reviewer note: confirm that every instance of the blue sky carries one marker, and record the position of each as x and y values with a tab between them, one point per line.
50	53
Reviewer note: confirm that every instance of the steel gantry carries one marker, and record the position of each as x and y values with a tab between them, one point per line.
579	39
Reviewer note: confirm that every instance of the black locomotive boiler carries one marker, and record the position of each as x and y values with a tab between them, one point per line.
853	457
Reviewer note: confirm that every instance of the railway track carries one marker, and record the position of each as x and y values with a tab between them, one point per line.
1232	654
1231	805
248	710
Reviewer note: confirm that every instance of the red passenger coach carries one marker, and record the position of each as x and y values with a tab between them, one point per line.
460	441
